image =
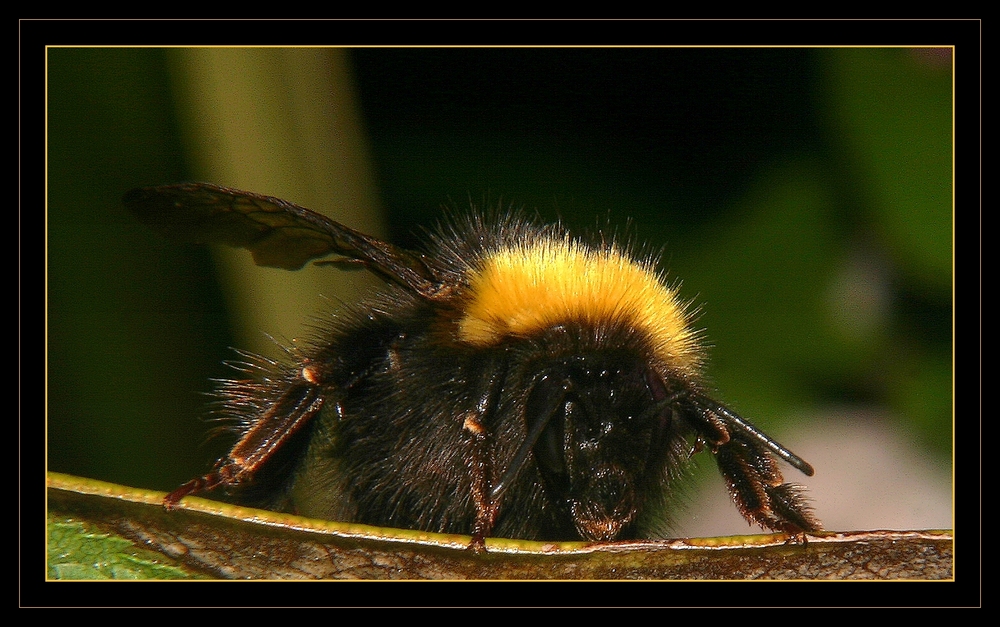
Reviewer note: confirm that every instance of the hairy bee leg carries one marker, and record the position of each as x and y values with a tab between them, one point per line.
480	471
296	407
478	460
222	475
759	491
745	456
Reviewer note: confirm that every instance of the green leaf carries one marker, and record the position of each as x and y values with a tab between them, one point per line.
80	550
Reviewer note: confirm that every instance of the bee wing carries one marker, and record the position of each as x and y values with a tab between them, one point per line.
278	233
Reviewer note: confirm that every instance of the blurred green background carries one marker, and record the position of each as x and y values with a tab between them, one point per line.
802	195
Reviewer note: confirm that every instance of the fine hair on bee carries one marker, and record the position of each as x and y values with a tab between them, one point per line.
509	380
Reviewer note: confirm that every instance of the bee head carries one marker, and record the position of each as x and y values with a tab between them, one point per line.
598	426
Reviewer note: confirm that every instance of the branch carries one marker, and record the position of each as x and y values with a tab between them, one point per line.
138	538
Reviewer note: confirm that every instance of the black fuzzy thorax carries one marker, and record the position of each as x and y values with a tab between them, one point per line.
397	451
392	448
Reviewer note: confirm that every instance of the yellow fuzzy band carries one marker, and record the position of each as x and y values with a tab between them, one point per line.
526	289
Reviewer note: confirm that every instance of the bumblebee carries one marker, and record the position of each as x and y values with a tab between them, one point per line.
510	380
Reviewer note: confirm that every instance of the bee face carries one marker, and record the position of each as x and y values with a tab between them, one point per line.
604	443
510	380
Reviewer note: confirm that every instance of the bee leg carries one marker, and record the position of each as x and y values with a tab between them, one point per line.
479	462
759	490
292	411
222	474
746	459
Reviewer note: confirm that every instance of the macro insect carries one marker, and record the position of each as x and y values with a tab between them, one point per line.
509	380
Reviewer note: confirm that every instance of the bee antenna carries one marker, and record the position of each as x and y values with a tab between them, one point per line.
732	419
537	425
